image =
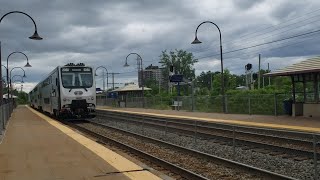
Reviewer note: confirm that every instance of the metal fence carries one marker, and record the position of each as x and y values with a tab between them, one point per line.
5	114
263	104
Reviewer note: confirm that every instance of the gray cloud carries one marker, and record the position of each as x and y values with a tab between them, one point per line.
104	32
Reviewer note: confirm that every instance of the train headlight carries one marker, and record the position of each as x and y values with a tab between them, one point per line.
92	98
64	99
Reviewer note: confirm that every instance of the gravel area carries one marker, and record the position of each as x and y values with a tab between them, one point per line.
289	167
191	162
280	134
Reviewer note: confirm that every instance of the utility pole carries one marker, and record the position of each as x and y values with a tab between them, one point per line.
104	86
211	74
159	84
259	74
269	76
113	79
107	81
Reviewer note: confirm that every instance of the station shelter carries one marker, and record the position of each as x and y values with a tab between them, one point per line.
304	76
130	95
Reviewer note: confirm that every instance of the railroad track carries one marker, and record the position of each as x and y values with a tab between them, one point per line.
298	149
187	163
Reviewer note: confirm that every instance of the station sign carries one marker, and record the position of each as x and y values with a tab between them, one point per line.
176	78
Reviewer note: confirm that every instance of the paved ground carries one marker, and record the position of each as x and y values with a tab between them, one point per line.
35	149
304	123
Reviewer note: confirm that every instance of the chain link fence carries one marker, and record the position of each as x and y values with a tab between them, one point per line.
262	104
5	114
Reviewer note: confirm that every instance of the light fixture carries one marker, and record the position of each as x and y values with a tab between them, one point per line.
196	41
126	65
27	65
35	36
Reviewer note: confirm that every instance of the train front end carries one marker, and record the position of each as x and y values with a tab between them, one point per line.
78	92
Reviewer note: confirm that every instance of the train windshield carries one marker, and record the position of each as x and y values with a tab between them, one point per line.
77	77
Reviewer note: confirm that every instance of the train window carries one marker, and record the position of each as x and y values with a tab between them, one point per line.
53	93
56	81
77	78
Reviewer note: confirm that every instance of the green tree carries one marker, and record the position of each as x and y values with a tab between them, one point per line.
230	82
204	80
154	85
182	61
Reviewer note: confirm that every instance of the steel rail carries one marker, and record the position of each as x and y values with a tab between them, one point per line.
216	159
191	131
169	166
227	126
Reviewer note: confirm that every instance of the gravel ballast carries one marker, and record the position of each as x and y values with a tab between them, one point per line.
281	165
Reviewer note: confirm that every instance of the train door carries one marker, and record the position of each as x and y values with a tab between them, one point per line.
54	92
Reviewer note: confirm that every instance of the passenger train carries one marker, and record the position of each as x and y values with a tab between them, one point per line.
68	91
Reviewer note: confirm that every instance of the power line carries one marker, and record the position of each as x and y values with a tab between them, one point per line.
257	45
263	29
281	32
255	52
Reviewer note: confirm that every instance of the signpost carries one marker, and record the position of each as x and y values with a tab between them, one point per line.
177	78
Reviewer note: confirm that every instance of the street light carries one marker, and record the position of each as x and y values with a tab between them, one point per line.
18	81
196	41
35	36
141	69
18	76
9	86
95	73
5	77
9	75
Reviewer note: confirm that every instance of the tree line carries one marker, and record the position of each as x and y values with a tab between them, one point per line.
209	83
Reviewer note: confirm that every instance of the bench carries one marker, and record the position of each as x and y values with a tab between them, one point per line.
176	105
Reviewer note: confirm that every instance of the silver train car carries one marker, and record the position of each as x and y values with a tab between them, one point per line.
68	91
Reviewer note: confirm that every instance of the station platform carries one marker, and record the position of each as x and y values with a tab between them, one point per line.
37	147
303	124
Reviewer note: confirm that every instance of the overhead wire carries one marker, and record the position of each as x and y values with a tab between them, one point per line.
263	29
261	44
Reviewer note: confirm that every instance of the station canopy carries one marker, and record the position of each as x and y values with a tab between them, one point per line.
311	65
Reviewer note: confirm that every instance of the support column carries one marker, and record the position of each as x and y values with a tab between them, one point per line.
304	88
316	88
293	89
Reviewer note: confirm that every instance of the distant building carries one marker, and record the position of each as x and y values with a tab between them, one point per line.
154	73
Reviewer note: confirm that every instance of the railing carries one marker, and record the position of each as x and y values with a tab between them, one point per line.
263	104
5	114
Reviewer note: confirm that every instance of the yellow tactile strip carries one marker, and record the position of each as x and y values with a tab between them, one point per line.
236	122
117	161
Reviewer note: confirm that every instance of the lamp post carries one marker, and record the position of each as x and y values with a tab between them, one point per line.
10	86
18	76
35	36
5	77
196	41
19	81
141	69
103	76
9	75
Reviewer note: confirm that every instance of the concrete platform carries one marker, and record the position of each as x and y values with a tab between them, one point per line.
303	124
37	147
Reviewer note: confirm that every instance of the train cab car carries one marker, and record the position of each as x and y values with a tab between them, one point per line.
67	91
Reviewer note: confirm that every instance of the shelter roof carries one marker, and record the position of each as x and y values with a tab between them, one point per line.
131	87
307	66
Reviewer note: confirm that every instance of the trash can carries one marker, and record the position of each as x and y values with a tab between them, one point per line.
287	106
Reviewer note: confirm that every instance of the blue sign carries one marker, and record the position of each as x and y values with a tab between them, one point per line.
176	78
112	95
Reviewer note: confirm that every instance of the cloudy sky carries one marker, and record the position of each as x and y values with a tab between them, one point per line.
104	32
